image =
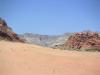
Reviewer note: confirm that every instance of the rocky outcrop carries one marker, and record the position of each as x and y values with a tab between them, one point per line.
84	41
6	32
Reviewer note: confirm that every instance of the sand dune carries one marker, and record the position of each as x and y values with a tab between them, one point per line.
25	59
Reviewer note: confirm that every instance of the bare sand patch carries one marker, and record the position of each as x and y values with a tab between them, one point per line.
25	59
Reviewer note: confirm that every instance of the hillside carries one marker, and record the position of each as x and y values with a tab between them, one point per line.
45	40
83	41
6	33
25	59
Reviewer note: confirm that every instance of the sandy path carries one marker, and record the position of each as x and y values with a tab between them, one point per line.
24	59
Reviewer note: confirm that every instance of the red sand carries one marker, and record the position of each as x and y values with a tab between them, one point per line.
25	59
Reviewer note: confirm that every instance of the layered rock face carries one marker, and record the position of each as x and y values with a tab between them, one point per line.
84	40
6	32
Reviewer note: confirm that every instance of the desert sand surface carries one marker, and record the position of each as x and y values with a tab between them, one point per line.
26	59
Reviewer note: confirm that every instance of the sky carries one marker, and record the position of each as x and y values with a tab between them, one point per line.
51	17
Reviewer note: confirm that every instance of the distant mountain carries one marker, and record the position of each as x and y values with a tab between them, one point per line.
78	41
45	40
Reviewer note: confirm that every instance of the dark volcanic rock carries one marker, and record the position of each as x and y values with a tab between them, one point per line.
6	32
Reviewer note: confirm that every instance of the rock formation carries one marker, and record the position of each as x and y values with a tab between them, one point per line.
84	40
45	40
6	32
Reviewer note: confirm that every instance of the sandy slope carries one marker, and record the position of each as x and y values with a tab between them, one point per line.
24	59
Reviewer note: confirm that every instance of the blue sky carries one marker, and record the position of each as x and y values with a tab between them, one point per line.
51	16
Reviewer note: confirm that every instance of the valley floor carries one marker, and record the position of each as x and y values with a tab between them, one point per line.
26	59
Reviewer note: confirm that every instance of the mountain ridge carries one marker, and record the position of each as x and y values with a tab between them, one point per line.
45	40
